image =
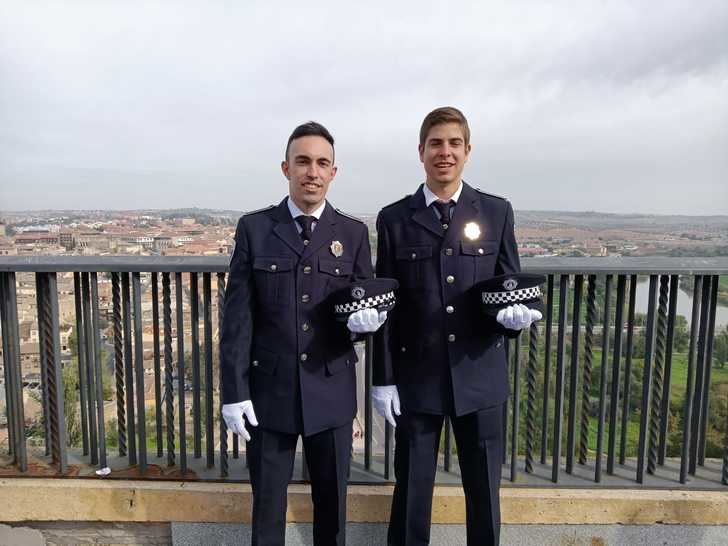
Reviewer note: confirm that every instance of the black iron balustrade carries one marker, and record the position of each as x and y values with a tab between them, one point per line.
570	426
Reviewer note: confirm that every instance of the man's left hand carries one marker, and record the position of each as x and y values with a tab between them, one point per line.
366	321
518	316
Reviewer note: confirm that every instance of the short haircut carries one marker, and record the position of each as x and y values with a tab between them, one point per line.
310	128
439	116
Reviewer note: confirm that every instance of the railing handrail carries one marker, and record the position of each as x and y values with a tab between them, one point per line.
608	265
551	366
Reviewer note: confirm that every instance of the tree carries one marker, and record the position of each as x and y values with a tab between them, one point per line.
720	348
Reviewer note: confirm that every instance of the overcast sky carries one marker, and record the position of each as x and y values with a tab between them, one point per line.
590	105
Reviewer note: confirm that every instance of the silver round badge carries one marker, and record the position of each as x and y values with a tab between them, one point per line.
358	292
510	284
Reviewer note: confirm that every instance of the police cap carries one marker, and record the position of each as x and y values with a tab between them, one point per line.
504	290
369	294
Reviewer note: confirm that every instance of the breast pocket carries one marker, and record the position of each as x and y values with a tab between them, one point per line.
412	263
337	274
479	257
273	279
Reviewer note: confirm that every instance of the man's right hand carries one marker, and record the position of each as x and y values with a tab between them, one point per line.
386	402
233	415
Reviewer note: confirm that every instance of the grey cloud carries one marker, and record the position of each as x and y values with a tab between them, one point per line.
116	103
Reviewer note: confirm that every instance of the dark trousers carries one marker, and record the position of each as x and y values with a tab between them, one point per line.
270	458
479	440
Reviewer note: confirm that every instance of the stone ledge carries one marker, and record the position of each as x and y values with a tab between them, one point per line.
38	499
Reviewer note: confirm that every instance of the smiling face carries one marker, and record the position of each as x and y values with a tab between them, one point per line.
444	154
309	169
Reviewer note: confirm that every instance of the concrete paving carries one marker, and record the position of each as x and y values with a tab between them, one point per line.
374	534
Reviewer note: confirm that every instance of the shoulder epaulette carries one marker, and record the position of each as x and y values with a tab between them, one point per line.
398	201
349	216
490	194
259	210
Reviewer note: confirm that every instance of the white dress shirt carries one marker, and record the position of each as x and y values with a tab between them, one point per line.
295	212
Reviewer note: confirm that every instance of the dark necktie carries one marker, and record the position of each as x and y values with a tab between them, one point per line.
306	223
445	211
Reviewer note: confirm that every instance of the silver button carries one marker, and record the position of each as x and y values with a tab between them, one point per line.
445	226
348	361
305	327
450	279
305	242
480	251
304	357
498	344
451	338
273	267
450	309
337	271
305	298
414	255
306	269
403	349
255	363
448	251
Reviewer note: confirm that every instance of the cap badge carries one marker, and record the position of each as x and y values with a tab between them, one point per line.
358	292
510	284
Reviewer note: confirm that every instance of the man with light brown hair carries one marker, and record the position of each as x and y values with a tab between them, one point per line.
438	355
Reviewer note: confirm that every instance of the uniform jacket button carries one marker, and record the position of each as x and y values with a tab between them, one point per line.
450	279
304	357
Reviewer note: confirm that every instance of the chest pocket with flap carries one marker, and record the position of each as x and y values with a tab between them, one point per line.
273	279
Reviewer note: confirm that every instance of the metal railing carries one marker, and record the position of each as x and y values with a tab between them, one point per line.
598	395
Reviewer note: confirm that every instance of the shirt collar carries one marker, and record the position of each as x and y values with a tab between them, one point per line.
295	211
431	197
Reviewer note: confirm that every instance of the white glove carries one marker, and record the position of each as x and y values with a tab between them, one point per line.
386	402
233	415
517	316
366	321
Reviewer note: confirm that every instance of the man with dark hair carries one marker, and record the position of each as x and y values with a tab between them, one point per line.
438	355
288	368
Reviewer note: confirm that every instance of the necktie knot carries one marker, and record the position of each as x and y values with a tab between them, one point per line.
445	211
306	223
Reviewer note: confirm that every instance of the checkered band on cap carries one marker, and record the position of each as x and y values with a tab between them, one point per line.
511	296
375	301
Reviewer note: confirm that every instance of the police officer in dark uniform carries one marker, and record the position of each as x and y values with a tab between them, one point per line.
288	368
438	355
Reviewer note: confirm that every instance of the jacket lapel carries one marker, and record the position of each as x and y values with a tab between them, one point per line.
285	228
423	215
323	233
466	211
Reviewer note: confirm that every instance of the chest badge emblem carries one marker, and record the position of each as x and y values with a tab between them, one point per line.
336	248
472	231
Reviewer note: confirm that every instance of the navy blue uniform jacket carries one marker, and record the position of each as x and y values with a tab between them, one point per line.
443	354
280	345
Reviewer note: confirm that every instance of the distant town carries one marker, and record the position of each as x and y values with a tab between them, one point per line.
205	232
